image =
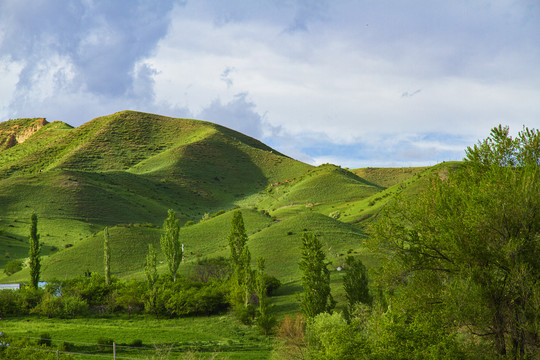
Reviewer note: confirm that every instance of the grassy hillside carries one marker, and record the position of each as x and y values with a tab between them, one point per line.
127	169
387	177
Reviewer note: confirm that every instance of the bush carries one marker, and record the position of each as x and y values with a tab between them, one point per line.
9	303
245	314
104	343
272	284
45	339
12	267
335	215
136	343
66	346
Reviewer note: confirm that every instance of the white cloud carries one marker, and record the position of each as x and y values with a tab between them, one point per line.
417	79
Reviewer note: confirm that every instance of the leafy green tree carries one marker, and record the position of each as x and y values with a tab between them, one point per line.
355	282
332	338
265	321
240	259
469	246
170	243
107	256
35	250
150	270
316	297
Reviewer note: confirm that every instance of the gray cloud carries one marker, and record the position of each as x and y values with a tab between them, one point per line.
410	94
82	46
239	114
225	76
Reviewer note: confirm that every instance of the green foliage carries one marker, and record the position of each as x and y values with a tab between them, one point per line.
170	243
12	267
264	320
34	252
44	339
470	245
331	338
105	343
356	282
150	270
107	256
240	260
316	297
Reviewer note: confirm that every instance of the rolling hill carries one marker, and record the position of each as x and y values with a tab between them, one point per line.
127	169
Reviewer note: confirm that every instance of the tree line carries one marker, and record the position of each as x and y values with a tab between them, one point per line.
459	274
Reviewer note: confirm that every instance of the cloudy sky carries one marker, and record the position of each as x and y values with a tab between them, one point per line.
355	83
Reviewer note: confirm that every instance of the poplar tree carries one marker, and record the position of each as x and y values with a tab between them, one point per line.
107	256
265	321
316	297
150	269
355	282
35	250
240	258
170	243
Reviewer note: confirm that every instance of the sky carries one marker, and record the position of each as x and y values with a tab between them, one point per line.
354	83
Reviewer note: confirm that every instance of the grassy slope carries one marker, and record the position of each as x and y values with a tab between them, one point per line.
388	177
131	167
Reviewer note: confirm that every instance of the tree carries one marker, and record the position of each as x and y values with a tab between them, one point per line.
264	320
107	256
170	243
355	282
240	259
468	247
316	297
150	269
35	250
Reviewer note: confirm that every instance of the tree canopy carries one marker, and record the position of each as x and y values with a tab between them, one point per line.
468	248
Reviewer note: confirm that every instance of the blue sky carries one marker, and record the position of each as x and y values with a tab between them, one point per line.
355	83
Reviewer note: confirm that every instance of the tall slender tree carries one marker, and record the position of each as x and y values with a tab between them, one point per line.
355	282
316	297
265	321
240	258
170	243
150	269
107	256
35	250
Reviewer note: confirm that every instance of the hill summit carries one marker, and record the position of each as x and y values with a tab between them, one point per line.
13	132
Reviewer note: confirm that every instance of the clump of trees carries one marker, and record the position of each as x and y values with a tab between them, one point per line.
460	268
248	288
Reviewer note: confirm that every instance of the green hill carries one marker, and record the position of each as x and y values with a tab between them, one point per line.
127	169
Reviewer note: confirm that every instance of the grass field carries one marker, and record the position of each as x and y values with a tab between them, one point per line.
207	336
125	171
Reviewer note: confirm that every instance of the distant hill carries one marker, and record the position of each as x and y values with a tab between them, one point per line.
127	169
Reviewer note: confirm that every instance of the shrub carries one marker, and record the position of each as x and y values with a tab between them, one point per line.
44	339
12	267
136	343
104	343
66	346
335	215
272	284
218	213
